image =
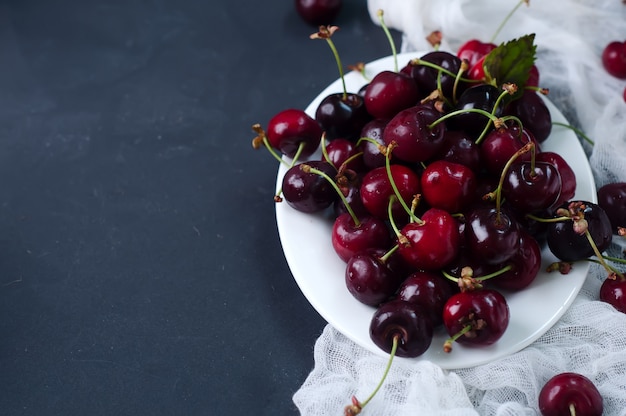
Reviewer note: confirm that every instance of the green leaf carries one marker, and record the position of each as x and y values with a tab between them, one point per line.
511	62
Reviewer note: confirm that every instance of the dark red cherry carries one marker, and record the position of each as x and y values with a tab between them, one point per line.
459	147
342	115
481	97
318	12
307	191
432	243
613	292
474	49
406	320
567	240
291	128
410	130
534	114
340	150
612	199
447	185
376	189
429	290
614	58
369	279
389	93
428	78
348	238
531	187
372	156
482	316
501	144
568	177
570	394
526	263
492	236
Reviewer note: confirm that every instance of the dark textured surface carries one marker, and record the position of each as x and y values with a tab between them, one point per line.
140	266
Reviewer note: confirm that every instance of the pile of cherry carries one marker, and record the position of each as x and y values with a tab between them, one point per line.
440	194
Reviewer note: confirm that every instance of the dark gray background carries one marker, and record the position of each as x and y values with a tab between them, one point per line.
140	267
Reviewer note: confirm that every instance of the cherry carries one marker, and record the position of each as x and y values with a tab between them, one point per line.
613	292
447	185
372	139
376	190
429	290
483	97
501	144
581	221
473	50
318	12
459	148
492	236
338	151
406	320
431	242
306	191
568	177
612	199
534	114
369	279
532	187
475	317
410	129
614	58
349	238
525	263
427	73
340	114
390	92
292	132
570	394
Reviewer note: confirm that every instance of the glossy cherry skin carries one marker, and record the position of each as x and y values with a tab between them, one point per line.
613	292
389	93
614	58
340	150
482	97
307	191
473	50
568	245
568	177
534	114
526	263
459	148
501	144
485	310
426	77
406	320
429	290
447	185
342	116
318	12
432	243
348	238
532	187
376	189
369	279
409	129
289	128
612	198
372	156
570	390
491	237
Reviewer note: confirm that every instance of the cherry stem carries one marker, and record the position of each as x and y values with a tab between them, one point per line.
572	409
261	138
389	38
599	256
498	192
613	270
447	345
540	219
575	130
309	168
418	61
392	354
325	33
506	19
409	211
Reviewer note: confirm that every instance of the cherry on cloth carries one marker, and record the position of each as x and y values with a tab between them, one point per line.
590	338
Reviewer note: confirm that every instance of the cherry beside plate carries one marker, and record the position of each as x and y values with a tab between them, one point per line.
319	272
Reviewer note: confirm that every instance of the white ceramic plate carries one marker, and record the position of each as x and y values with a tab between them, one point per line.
319	272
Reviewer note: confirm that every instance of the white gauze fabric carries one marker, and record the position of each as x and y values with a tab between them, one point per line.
590	338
